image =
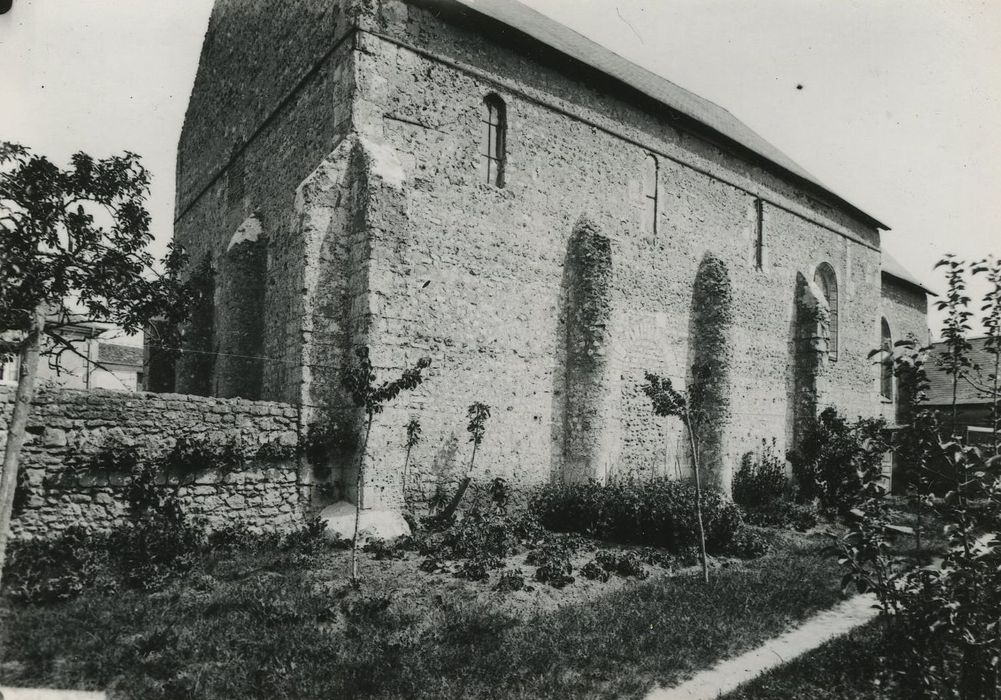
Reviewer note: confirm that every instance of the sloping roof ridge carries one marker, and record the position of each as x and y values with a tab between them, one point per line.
572	43
889	265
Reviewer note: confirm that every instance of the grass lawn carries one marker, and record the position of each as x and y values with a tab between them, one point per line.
262	624
846	667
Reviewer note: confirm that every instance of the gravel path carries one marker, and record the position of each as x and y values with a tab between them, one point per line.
728	674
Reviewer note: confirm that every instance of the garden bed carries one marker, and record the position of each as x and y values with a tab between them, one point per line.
261	623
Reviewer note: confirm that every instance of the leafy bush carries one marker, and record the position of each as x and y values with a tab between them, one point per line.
158	542
594	571
783	514
554	567
658	512
511	580
749	544
621	564
191	455
383	550
760	480
231	537
833	454
43	571
114	457
155	544
477	569
308	539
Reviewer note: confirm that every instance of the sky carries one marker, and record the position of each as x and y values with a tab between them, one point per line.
893	104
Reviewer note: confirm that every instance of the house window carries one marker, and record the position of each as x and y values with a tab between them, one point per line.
650	179
494	141
885	361
759	234
8	370
827	281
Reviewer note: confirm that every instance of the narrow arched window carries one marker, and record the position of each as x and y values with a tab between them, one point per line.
885	361
493	141
650	178
759	234
828	283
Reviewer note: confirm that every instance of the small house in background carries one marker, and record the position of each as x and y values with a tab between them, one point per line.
119	367
973	392
97	356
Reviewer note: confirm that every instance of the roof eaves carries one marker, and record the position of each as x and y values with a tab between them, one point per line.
717	120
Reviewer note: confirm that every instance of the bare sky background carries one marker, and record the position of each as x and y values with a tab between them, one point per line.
898	111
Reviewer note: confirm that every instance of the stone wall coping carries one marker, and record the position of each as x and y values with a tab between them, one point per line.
59	395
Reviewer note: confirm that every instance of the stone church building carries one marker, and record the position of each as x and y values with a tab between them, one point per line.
476	183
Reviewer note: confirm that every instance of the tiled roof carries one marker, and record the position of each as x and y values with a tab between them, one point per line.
563	39
113	354
940	390
892	267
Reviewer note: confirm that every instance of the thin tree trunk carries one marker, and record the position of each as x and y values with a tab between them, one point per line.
406	463
359	484
698	498
463	485
30	352
995	399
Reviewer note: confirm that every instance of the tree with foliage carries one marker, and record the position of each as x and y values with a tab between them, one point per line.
991	319
73	246
478	413
361	383
834	454
942	621
413	437
668	401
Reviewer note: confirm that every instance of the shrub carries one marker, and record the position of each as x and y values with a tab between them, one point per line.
511	580
231	537
158	542
191	455
383	550
761	480
658	512
43	571
554	566
477	534
748	544
622	564
308	539
783	514
833	454
594	571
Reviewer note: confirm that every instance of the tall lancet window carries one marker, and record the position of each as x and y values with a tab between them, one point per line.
650	177
886	361
828	283
493	142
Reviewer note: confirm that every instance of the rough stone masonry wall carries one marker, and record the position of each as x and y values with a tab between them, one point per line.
272	97
67	428
905	308
357	153
472	274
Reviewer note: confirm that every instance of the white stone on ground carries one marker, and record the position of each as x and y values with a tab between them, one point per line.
49	694
727	675
384	525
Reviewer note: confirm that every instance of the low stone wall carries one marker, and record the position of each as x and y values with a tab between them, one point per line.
71	476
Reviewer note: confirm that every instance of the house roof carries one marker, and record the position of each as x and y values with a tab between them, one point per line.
115	354
892	268
940	384
527	21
